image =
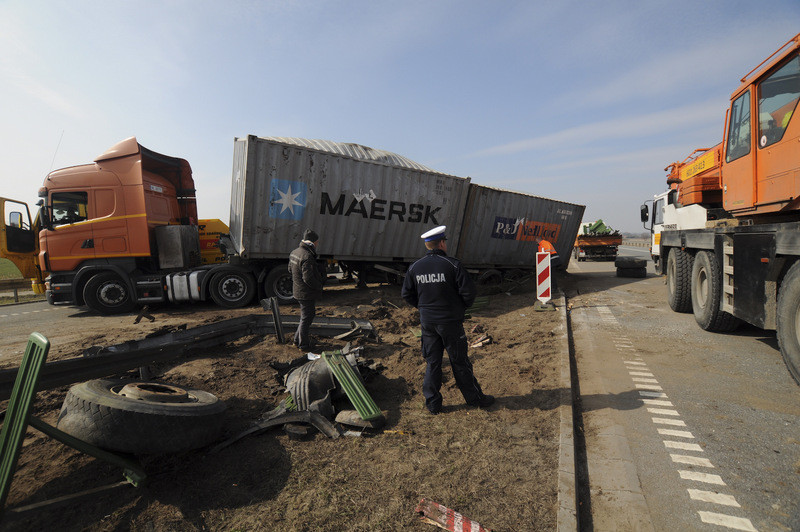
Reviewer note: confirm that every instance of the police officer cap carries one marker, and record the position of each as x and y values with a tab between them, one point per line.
310	235
437	233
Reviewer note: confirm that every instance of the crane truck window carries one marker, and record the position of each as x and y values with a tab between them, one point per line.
777	99
739	129
69	207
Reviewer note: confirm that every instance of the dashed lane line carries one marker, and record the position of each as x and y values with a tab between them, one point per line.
653	395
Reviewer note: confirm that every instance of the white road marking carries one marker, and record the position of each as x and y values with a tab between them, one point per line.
639	374
667	421
657	402
634	363
642	379
708	478
669	444
649	387
714	497
739	523
676	433
655	395
663	411
691	460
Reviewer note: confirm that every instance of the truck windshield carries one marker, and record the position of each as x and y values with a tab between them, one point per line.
69	207
777	99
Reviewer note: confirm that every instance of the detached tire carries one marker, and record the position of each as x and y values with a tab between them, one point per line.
149	421
279	284
233	288
707	295
107	293
679	280
789	320
640	273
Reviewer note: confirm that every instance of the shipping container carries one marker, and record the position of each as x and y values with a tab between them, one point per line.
502	228
366	204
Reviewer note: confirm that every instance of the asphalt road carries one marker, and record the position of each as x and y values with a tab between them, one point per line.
684	429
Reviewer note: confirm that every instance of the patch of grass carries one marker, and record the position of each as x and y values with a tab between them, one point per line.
23	298
8	270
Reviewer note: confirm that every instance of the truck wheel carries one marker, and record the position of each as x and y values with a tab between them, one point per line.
232	288
679	275
707	295
789	320
141	417
279	284
108	294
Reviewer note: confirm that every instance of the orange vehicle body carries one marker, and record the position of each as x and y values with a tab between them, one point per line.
112	206
756	169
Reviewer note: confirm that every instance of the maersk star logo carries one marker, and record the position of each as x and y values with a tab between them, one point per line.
287	199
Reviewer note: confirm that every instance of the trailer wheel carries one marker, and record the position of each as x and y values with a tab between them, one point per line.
233	288
788	320
707	295
679	275
279	284
107	293
141	417
490	277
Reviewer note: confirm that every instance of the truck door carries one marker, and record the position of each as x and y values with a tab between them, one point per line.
737	178
18	238
777	160
70	241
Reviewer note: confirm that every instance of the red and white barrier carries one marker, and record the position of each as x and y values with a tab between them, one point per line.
543	292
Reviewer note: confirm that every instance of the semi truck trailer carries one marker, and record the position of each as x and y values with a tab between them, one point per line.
123	231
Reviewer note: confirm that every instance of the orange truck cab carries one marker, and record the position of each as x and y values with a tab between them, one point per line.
119	232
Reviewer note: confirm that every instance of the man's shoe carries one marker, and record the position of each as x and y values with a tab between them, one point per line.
484	402
435	411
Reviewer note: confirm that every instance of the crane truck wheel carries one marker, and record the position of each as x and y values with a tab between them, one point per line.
233	288
679	274
788	320
141	417
107	293
707	295
279	284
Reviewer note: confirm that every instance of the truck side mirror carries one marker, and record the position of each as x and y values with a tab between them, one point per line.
644	213
15	219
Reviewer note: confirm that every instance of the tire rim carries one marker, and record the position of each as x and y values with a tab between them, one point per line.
232	288
701	294
797	325
283	287
154	392
112	294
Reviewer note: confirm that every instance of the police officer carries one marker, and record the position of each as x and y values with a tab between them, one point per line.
307	283
442	290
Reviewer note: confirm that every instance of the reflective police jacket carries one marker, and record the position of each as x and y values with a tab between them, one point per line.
439	287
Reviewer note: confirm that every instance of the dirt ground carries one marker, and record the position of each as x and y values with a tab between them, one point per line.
496	466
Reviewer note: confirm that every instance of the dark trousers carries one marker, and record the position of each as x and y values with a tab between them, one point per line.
307	313
451	337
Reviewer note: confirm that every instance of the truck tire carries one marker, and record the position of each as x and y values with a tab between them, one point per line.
156	418
640	273
707	295
679	280
788	320
107	293
233	288
279	284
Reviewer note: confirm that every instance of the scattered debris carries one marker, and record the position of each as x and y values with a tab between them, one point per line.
482	341
435	514
144	314
538	306
477	329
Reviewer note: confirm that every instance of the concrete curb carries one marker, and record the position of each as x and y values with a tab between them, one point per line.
567	518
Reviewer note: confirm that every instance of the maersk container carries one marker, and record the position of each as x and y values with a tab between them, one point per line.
502	228
365	204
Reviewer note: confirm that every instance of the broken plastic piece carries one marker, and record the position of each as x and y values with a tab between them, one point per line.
353	387
434	513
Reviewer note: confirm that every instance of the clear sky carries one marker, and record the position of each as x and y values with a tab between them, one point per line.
579	101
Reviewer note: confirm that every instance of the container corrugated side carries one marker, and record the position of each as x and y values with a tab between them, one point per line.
362	210
501	228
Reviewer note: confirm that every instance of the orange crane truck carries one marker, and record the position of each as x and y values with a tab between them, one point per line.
740	259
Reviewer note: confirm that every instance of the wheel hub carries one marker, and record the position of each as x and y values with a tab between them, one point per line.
155	392
112	294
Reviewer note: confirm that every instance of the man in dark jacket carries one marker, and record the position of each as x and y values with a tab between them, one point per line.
442	290
307	283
